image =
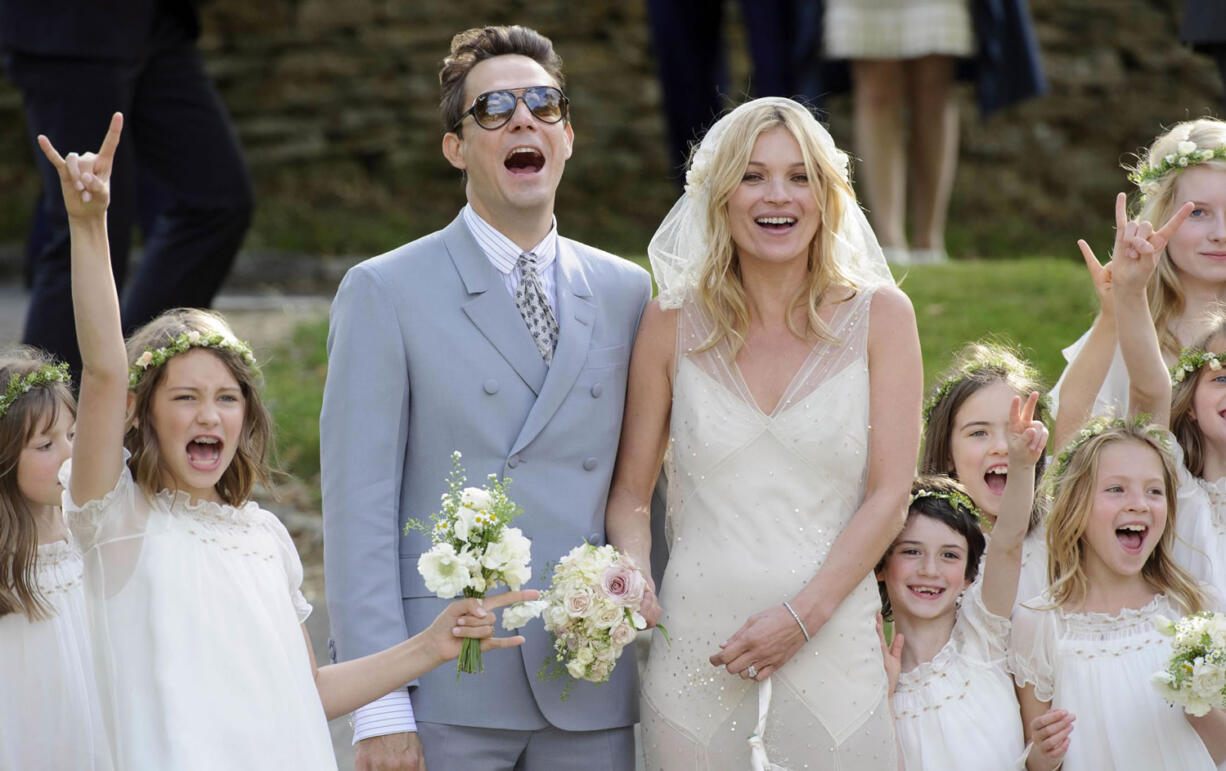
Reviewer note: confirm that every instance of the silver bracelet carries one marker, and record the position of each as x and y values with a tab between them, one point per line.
804	631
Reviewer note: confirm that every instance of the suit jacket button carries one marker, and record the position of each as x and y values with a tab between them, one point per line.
513	461
490	386
597	390
589	464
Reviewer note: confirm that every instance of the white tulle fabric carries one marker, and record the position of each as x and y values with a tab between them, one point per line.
959	711
196	612
50	714
755	501
679	246
1098	667
1200	524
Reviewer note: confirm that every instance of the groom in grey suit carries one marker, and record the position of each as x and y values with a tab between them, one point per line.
501	339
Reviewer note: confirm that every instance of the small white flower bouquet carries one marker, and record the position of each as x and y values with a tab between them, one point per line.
474	548
591	609
1195	678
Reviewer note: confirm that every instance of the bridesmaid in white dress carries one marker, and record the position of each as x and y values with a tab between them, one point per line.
50	714
778	339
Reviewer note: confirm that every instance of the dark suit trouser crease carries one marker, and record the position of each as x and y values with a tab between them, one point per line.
177	133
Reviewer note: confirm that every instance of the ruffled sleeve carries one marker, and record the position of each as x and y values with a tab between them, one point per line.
985	636
103	519
1032	648
291	562
1112	398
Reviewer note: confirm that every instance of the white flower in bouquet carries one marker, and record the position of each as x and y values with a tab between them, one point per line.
474	548
521	613
1195	676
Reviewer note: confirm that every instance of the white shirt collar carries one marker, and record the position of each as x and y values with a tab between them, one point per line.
502	251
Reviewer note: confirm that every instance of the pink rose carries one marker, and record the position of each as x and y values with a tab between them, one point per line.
578	604
624	584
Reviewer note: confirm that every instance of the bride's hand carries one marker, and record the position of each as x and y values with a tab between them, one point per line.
766	641
650	608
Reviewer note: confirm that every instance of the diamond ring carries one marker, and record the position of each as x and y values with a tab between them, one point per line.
752	671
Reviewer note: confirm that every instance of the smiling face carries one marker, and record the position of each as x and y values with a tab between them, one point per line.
1128	511
925	571
197	413
1198	248
773	212
979	455
514	169
44	452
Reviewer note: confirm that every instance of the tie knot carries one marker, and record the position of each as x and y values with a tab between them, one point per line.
526	262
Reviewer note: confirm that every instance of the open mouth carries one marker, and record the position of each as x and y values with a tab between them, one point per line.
775	224
927	592
1131	537
204	453
996	478
524	160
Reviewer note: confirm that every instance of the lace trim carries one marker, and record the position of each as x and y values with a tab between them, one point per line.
179	502
1126	620
60	568
1024	674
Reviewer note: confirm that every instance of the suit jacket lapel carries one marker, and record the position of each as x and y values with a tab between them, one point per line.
491	308
576	317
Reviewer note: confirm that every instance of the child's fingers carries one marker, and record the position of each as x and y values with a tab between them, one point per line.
106	153
495	643
510	598
51	153
73	162
1087	254
1145	229
896	647
1175	221
1121	211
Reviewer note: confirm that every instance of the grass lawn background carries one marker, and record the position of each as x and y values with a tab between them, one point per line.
1038	304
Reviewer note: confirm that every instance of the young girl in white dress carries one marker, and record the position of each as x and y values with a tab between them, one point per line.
50	716
953	701
205	661
1088	646
1185	163
966	429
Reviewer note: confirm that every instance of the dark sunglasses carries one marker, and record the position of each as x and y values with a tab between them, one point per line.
493	109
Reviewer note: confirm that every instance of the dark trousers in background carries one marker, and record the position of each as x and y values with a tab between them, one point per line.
689	47
177	134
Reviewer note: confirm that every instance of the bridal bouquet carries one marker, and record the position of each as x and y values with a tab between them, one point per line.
473	549
591	609
1195	678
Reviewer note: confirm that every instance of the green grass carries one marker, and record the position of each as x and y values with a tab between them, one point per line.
1040	304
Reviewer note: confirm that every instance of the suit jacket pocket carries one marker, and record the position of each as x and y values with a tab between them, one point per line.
608	357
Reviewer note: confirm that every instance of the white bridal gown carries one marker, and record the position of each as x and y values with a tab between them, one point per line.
755	502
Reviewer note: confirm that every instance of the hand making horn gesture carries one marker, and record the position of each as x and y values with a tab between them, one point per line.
86	179
1137	246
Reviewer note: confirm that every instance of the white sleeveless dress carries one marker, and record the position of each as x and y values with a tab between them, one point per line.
755	502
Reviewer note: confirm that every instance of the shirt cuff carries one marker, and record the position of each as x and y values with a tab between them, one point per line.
391	714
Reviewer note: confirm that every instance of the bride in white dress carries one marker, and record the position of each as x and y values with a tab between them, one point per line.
777	340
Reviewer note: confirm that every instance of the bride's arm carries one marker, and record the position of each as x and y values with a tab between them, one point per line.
649	397
895	368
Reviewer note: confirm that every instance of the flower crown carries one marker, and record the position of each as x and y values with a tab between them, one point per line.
1193	359
957	500
992	363
158	356
1101	425
19	384
1147	175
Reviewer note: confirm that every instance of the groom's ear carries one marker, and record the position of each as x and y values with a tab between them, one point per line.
452	146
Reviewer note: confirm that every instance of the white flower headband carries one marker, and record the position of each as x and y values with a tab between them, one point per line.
19	384
158	356
1148	174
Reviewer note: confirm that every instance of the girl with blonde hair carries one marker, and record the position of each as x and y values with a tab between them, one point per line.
1187	163
204	659
1112	568
777	339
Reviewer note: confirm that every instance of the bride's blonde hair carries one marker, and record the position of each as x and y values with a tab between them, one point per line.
719	284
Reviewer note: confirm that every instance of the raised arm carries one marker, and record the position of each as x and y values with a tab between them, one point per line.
98	449
1149	389
1002	564
1083	379
644	438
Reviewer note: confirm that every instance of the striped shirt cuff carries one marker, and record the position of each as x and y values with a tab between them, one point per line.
391	714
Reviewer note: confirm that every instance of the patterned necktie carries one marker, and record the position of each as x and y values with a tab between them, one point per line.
534	307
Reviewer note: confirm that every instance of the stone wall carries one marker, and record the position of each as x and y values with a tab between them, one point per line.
336	106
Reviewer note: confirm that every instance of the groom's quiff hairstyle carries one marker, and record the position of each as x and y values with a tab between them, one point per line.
480	43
